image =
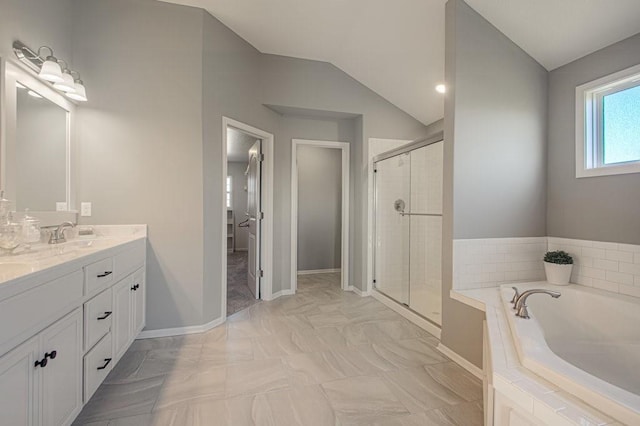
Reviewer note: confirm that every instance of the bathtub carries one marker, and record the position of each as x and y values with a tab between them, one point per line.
587	342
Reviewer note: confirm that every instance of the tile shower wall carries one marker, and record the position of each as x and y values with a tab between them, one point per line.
607	266
480	263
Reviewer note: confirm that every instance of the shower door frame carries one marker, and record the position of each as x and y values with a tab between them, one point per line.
411	146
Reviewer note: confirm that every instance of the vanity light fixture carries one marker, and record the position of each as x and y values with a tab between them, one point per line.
67	84
51	70
441	88
48	68
79	93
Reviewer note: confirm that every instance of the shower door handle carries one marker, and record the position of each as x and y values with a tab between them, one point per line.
420	214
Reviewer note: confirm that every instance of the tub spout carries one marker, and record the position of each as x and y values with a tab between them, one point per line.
521	301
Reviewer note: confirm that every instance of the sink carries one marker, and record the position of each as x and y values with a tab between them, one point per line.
9	270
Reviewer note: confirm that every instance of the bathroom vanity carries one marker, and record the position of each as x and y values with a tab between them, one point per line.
68	312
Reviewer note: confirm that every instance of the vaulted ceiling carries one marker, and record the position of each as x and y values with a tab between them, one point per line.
397	48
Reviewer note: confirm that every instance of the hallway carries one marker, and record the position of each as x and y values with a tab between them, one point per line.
320	357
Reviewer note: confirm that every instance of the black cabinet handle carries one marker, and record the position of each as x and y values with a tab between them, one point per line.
133	288
42	363
137	286
106	274
107	361
105	316
52	355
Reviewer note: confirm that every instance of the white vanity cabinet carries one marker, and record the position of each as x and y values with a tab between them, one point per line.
62	332
41	380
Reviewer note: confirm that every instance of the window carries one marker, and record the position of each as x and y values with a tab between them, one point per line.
608	125
229	193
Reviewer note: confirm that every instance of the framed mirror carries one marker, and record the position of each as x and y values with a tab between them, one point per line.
37	143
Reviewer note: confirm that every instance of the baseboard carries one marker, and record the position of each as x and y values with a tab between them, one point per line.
408	314
471	368
178	331
359	292
318	271
285	292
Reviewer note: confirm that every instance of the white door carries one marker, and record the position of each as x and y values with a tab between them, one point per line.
17	370
122	316
61	345
254	213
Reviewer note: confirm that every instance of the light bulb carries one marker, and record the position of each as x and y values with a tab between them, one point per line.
441	88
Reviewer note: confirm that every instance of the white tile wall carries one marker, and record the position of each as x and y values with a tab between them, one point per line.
607	266
491	262
480	263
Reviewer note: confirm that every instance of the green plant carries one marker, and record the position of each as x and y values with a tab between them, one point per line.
558	257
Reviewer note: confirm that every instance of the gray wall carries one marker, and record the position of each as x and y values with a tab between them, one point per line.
495	118
603	208
239	201
37	23
140	139
319	208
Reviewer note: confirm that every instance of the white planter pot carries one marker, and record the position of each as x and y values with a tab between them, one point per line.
557	274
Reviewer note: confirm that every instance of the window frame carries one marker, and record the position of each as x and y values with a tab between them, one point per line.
589	124
229	188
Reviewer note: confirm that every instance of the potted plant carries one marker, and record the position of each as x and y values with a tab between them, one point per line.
557	266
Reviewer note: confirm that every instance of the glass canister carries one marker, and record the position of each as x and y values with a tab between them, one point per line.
10	233
5	206
30	228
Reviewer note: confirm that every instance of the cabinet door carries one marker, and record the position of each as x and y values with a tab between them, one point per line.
139	302
122	316
61	378
17	394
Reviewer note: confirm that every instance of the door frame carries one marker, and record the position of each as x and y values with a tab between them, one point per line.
344	147
266	243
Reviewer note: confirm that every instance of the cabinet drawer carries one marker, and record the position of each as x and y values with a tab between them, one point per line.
129	260
28	312
98	275
98	314
97	365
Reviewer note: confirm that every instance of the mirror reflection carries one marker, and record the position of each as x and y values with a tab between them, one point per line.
41	152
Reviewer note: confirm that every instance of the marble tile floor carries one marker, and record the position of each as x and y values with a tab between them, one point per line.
320	357
239	296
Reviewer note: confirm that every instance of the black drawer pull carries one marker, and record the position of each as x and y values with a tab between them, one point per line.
106	274
42	363
137	286
107	361
105	316
52	355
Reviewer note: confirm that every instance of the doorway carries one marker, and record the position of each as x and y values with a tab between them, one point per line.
247	216
320	176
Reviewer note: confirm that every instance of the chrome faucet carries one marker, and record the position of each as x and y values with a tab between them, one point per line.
521	301
57	234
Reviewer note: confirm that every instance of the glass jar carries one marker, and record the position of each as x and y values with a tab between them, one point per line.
10	233
30	228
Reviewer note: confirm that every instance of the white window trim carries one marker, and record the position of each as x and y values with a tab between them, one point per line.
589	150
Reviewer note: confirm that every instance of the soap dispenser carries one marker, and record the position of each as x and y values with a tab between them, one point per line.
30	228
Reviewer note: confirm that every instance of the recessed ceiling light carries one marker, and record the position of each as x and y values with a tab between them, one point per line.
20	85
34	94
441	88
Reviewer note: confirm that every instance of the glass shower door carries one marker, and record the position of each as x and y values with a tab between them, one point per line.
425	283
408	229
392	193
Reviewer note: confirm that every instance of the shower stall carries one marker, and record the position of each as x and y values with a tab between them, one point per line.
408	226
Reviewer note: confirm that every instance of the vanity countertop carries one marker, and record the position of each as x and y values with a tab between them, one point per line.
28	265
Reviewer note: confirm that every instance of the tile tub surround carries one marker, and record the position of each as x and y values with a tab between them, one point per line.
606	266
529	392
483	263
320	357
